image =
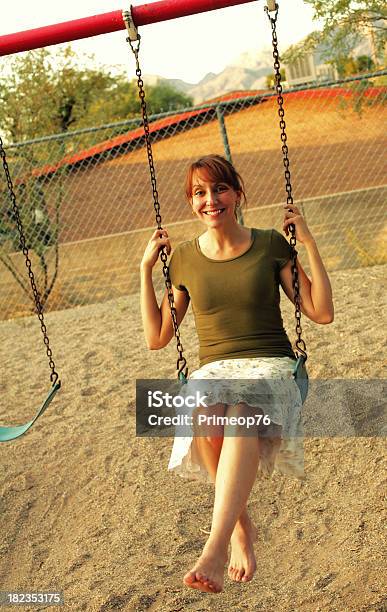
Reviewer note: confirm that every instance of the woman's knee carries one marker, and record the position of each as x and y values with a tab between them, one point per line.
208	423
216	442
244	420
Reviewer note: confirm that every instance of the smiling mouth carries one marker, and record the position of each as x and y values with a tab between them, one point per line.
214	213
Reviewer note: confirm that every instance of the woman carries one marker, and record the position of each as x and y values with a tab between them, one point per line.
232	275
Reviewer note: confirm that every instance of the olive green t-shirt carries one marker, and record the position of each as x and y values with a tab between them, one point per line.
236	302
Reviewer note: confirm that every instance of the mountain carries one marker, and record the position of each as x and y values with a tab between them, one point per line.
255	60
248	71
232	78
179	84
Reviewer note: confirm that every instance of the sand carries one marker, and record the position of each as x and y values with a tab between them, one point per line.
89	509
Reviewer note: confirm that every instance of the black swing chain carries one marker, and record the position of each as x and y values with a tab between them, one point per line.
38	305
181	362
300	344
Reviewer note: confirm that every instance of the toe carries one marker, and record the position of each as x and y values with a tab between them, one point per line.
189	578
199	586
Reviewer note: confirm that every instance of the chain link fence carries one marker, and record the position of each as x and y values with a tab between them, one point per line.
86	198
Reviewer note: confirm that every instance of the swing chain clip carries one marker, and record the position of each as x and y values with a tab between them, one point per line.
134	36
271	6
182	373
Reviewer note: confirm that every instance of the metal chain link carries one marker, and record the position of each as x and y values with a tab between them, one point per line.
300	344
181	362
39	308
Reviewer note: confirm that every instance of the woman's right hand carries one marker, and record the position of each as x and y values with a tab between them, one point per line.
151	254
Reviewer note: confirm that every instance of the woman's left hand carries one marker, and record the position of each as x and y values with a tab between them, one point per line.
302	231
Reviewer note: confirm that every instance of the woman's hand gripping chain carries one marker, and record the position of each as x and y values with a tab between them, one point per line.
293	215
158	239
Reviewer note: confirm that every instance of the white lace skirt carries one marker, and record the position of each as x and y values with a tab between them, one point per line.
277	394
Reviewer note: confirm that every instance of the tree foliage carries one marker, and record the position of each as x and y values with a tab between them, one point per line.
270	79
349	66
345	24
40	229
43	93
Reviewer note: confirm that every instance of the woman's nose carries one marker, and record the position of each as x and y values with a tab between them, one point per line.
211	197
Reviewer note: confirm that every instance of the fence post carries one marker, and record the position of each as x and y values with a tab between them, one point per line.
227	150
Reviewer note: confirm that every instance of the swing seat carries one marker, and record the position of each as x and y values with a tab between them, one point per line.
10	433
300	375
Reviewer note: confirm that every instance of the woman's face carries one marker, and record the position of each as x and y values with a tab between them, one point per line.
213	202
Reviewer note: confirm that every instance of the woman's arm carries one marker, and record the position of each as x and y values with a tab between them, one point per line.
150	311
315	293
157	322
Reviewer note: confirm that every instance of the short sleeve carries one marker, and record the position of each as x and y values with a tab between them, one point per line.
176	270
280	249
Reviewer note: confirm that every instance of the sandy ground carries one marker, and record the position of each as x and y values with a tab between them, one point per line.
89	509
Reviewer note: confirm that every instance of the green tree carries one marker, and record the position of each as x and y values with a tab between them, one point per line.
345	23
346	66
270	79
163	97
365	63
39	228
122	102
118	103
42	93
349	66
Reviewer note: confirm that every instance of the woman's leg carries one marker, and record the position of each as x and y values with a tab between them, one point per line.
237	468
209	449
209	445
242	564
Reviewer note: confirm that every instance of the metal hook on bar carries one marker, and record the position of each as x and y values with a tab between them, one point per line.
271	5
129	24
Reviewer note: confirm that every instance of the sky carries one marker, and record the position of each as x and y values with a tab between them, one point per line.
186	48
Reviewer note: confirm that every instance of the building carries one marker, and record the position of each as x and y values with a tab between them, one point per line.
310	68
313	67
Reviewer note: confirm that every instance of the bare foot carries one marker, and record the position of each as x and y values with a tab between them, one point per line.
207	574
242	562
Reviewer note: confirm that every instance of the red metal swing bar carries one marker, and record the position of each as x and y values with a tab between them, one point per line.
106	23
